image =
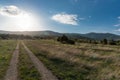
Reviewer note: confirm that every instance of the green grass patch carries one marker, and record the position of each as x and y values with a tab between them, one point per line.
7	47
65	70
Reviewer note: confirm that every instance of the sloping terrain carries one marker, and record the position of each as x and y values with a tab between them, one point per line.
97	36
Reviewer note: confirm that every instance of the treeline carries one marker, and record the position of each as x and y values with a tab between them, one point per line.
65	40
104	41
13	36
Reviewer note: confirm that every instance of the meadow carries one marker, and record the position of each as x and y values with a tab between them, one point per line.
82	61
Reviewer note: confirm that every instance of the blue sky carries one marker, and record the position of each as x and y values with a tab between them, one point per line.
74	16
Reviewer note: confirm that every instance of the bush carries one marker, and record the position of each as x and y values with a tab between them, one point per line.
64	39
104	41
112	42
71	42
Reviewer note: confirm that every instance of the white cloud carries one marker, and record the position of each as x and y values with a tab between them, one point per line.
81	18
10	11
119	17
66	18
118	30
117	25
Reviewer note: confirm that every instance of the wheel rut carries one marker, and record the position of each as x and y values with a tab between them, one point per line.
45	73
12	73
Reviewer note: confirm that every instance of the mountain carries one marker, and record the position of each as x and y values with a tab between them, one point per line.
96	36
101	36
4	32
32	33
44	34
40	33
76	36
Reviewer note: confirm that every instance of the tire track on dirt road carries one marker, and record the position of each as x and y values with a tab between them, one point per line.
12	73
45	73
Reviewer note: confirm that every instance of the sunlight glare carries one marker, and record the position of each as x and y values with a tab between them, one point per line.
26	22
16	19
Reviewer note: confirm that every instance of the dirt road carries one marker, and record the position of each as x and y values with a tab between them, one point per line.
12	72
45	73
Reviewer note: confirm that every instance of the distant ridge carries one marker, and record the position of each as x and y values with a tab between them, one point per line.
101	36
92	35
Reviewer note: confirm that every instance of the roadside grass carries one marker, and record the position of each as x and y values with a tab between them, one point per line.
7	47
98	62
64	70
26	68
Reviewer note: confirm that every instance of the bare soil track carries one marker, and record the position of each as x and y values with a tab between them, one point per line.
45	73
12	73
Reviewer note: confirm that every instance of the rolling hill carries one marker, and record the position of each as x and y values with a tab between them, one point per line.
101	36
96	36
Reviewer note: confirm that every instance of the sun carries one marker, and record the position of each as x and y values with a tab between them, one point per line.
15	19
26	22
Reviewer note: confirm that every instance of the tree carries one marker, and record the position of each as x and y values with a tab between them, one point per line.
112	42
105	41
70	42
65	40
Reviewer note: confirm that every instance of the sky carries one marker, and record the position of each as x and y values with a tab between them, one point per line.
67	16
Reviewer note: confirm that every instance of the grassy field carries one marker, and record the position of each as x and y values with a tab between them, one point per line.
78	62
6	49
26	69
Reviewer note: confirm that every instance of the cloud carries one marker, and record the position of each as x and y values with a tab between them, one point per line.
10	10
118	30
89	16
66	18
119	17
117	25
81	18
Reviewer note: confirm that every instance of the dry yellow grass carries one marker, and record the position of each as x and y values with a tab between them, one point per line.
102	59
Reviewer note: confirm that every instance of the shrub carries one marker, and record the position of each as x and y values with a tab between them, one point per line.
64	39
71	42
112	42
